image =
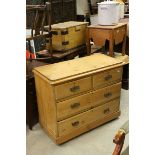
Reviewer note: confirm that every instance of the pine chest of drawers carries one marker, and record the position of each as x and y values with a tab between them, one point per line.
78	95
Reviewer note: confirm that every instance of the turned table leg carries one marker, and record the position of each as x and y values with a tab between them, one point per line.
124	41
111	44
88	42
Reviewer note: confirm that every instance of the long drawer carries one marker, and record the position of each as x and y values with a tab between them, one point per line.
106	94
74	123
107	78
72	88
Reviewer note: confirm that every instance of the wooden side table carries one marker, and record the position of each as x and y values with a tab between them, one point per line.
114	34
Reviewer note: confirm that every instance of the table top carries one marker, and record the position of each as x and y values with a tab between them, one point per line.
107	26
65	25
77	67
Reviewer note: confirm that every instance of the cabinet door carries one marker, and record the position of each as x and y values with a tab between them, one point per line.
56	8
69	10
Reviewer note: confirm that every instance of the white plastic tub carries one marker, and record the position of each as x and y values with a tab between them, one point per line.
108	13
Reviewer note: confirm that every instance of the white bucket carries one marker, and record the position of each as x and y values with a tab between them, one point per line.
108	13
122	9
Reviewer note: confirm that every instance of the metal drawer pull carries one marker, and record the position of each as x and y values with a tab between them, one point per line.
106	111
77	30
75	89
75	123
75	105
108	77
108	94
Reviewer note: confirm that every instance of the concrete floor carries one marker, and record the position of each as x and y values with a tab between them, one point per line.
98	141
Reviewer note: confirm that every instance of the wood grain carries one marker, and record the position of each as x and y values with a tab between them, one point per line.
46	105
72	88
106	94
82	96
106	78
74	123
73	106
114	34
73	68
75	35
86	128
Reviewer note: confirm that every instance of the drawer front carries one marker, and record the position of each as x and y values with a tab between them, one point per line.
72	88
73	106
83	119
106	94
106	78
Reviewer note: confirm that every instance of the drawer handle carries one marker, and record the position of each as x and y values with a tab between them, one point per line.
75	89
75	123
76	30
75	105
108	94
108	77
106	111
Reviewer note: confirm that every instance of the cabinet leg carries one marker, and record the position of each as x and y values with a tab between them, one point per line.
29	113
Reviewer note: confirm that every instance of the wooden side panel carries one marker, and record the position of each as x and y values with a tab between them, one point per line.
119	34
46	105
75	37
99	39
57	40
51	111
41	109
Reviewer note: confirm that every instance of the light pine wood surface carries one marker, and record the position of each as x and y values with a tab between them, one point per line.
73	68
70	107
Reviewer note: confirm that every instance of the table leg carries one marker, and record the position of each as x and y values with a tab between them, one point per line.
111	44
29	44
124	42
88	42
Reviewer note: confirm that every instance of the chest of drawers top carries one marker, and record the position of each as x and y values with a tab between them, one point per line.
77	68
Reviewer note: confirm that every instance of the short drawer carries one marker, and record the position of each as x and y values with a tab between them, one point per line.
72	88
83	119
106	78
73	106
106	94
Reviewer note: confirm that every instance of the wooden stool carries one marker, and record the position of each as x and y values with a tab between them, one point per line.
114	34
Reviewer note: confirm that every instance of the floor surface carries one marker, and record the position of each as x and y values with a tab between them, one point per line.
98	141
